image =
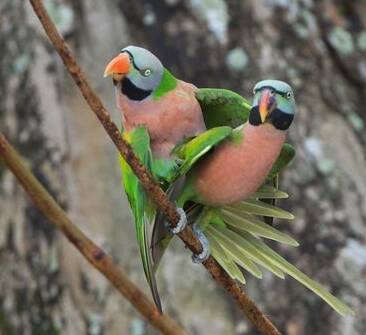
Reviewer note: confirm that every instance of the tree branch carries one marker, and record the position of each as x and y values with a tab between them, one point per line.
94	254
254	314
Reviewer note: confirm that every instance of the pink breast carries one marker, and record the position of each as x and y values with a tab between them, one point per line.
169	119
236	170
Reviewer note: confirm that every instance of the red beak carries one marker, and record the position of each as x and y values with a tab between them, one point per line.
267	104
118	67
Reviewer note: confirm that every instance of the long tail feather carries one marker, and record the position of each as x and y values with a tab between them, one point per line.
234	252
142	238
249	223
291	270
257	207
224	260
251	252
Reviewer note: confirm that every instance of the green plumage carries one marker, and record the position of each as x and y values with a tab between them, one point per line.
168	83
143	210
222	107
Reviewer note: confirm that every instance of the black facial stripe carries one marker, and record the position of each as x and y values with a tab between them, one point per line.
132	60
132	91
254	117
272	88
281	120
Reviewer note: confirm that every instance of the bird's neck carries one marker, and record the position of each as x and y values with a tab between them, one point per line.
168	83
132	92
264	135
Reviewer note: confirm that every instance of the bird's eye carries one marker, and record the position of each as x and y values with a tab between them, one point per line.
272	92
288	94
146	72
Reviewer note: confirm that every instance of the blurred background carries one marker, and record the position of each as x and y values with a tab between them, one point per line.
319	47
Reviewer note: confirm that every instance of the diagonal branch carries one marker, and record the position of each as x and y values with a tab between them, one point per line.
94	254
254	314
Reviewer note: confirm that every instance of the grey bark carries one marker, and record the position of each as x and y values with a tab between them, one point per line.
317	46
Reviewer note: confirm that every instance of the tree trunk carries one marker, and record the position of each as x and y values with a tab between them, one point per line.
317	46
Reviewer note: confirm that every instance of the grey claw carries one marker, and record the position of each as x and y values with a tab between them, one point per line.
205	254
182	222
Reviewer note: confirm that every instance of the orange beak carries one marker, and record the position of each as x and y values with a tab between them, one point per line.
118	67
267	104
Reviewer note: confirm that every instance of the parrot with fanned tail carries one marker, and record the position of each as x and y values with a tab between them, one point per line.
219	177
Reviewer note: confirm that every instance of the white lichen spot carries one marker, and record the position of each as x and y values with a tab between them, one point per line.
95	323
356	252
326	166
149	19
280	3
356	121
342	41
21	63
301	30
314	148
215	13
137	327
237	59
61	14
361	41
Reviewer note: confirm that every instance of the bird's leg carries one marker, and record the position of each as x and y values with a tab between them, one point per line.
199	258
197	231
181	223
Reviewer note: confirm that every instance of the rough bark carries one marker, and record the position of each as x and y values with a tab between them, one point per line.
318	46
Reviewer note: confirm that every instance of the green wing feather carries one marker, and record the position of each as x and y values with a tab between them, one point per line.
142	209
285	157
222	107
193	150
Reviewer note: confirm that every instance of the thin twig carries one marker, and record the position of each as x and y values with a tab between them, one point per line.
94	254
254	314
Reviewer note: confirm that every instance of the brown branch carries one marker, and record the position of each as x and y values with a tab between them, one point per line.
94	254
259	320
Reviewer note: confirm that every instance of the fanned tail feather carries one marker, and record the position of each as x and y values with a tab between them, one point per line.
237	244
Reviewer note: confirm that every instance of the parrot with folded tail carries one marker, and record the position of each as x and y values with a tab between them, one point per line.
227	222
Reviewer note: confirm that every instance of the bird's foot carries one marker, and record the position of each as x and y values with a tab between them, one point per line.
205	254
181	223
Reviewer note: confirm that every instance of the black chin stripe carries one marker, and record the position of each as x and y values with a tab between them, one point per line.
254	117
279	119
132	91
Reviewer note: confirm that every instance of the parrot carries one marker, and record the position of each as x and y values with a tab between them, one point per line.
221	170
148	94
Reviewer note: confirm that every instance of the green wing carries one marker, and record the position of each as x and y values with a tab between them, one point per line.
193	150
222	107
142	209
286	156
